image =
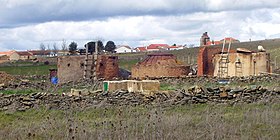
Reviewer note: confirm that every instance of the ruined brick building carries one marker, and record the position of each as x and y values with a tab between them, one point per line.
204	39
241	62
159	65
72	68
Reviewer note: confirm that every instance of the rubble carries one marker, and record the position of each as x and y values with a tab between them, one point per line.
5	78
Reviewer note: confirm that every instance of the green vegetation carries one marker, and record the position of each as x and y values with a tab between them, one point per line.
28	70
249	121
23	91
127	64
166	86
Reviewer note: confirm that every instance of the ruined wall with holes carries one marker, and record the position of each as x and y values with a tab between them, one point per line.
159	65
71	68
204	59
252	64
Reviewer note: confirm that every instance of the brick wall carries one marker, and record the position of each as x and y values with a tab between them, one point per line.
204	60
155	66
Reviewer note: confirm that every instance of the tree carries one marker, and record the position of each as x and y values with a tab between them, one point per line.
73	47
63	45
91	46
55	49
110	46
48	47
42	47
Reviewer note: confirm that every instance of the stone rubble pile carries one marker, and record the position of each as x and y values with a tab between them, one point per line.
5	78
202	80
194	95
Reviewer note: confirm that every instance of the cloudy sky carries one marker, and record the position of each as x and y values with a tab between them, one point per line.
24	24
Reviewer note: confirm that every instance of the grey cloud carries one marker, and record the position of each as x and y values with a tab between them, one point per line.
15	13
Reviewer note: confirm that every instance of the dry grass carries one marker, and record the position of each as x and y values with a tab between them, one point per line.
253	121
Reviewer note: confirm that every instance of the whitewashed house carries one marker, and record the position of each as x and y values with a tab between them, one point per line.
123	49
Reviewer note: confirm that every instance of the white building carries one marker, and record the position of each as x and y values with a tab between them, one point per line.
124	49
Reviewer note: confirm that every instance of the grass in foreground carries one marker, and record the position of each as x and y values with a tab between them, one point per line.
181	122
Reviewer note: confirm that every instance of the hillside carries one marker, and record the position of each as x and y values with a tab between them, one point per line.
189	55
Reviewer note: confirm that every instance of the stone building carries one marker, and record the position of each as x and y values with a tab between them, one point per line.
244	63
241	62
159	65
72	68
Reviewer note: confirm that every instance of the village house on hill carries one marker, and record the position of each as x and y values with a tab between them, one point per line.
123	49
9	56
158	47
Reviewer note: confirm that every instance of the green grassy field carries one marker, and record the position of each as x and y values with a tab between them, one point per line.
249	121
127	64
28	70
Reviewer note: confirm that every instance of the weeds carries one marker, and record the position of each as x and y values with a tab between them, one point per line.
145	122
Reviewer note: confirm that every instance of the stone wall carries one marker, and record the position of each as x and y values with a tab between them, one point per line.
252	64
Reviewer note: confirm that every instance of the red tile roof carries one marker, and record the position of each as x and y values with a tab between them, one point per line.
211	43
141	49
40	52
157	46
229	38
24	53
8	53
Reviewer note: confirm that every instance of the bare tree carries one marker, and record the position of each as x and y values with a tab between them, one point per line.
64	45
55	48
48	47
42	47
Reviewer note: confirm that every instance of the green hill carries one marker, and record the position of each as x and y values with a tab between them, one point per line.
189	55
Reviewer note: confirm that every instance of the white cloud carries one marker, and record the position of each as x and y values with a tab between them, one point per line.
134	22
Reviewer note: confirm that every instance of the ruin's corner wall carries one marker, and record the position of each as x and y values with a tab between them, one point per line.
252	64
71	68
205	58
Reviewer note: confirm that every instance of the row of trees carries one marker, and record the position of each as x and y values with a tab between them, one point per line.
73	46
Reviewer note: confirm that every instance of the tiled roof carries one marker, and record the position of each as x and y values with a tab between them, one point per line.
8	53
24	53
40	52
141	49
229	38
157	46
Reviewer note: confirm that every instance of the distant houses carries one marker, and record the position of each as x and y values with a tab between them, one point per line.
9	56
158	47
33	54
26	55
124	49
205	40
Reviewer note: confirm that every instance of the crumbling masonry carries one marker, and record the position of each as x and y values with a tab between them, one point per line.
71	68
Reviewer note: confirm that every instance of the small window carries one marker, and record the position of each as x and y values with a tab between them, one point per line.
68	64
